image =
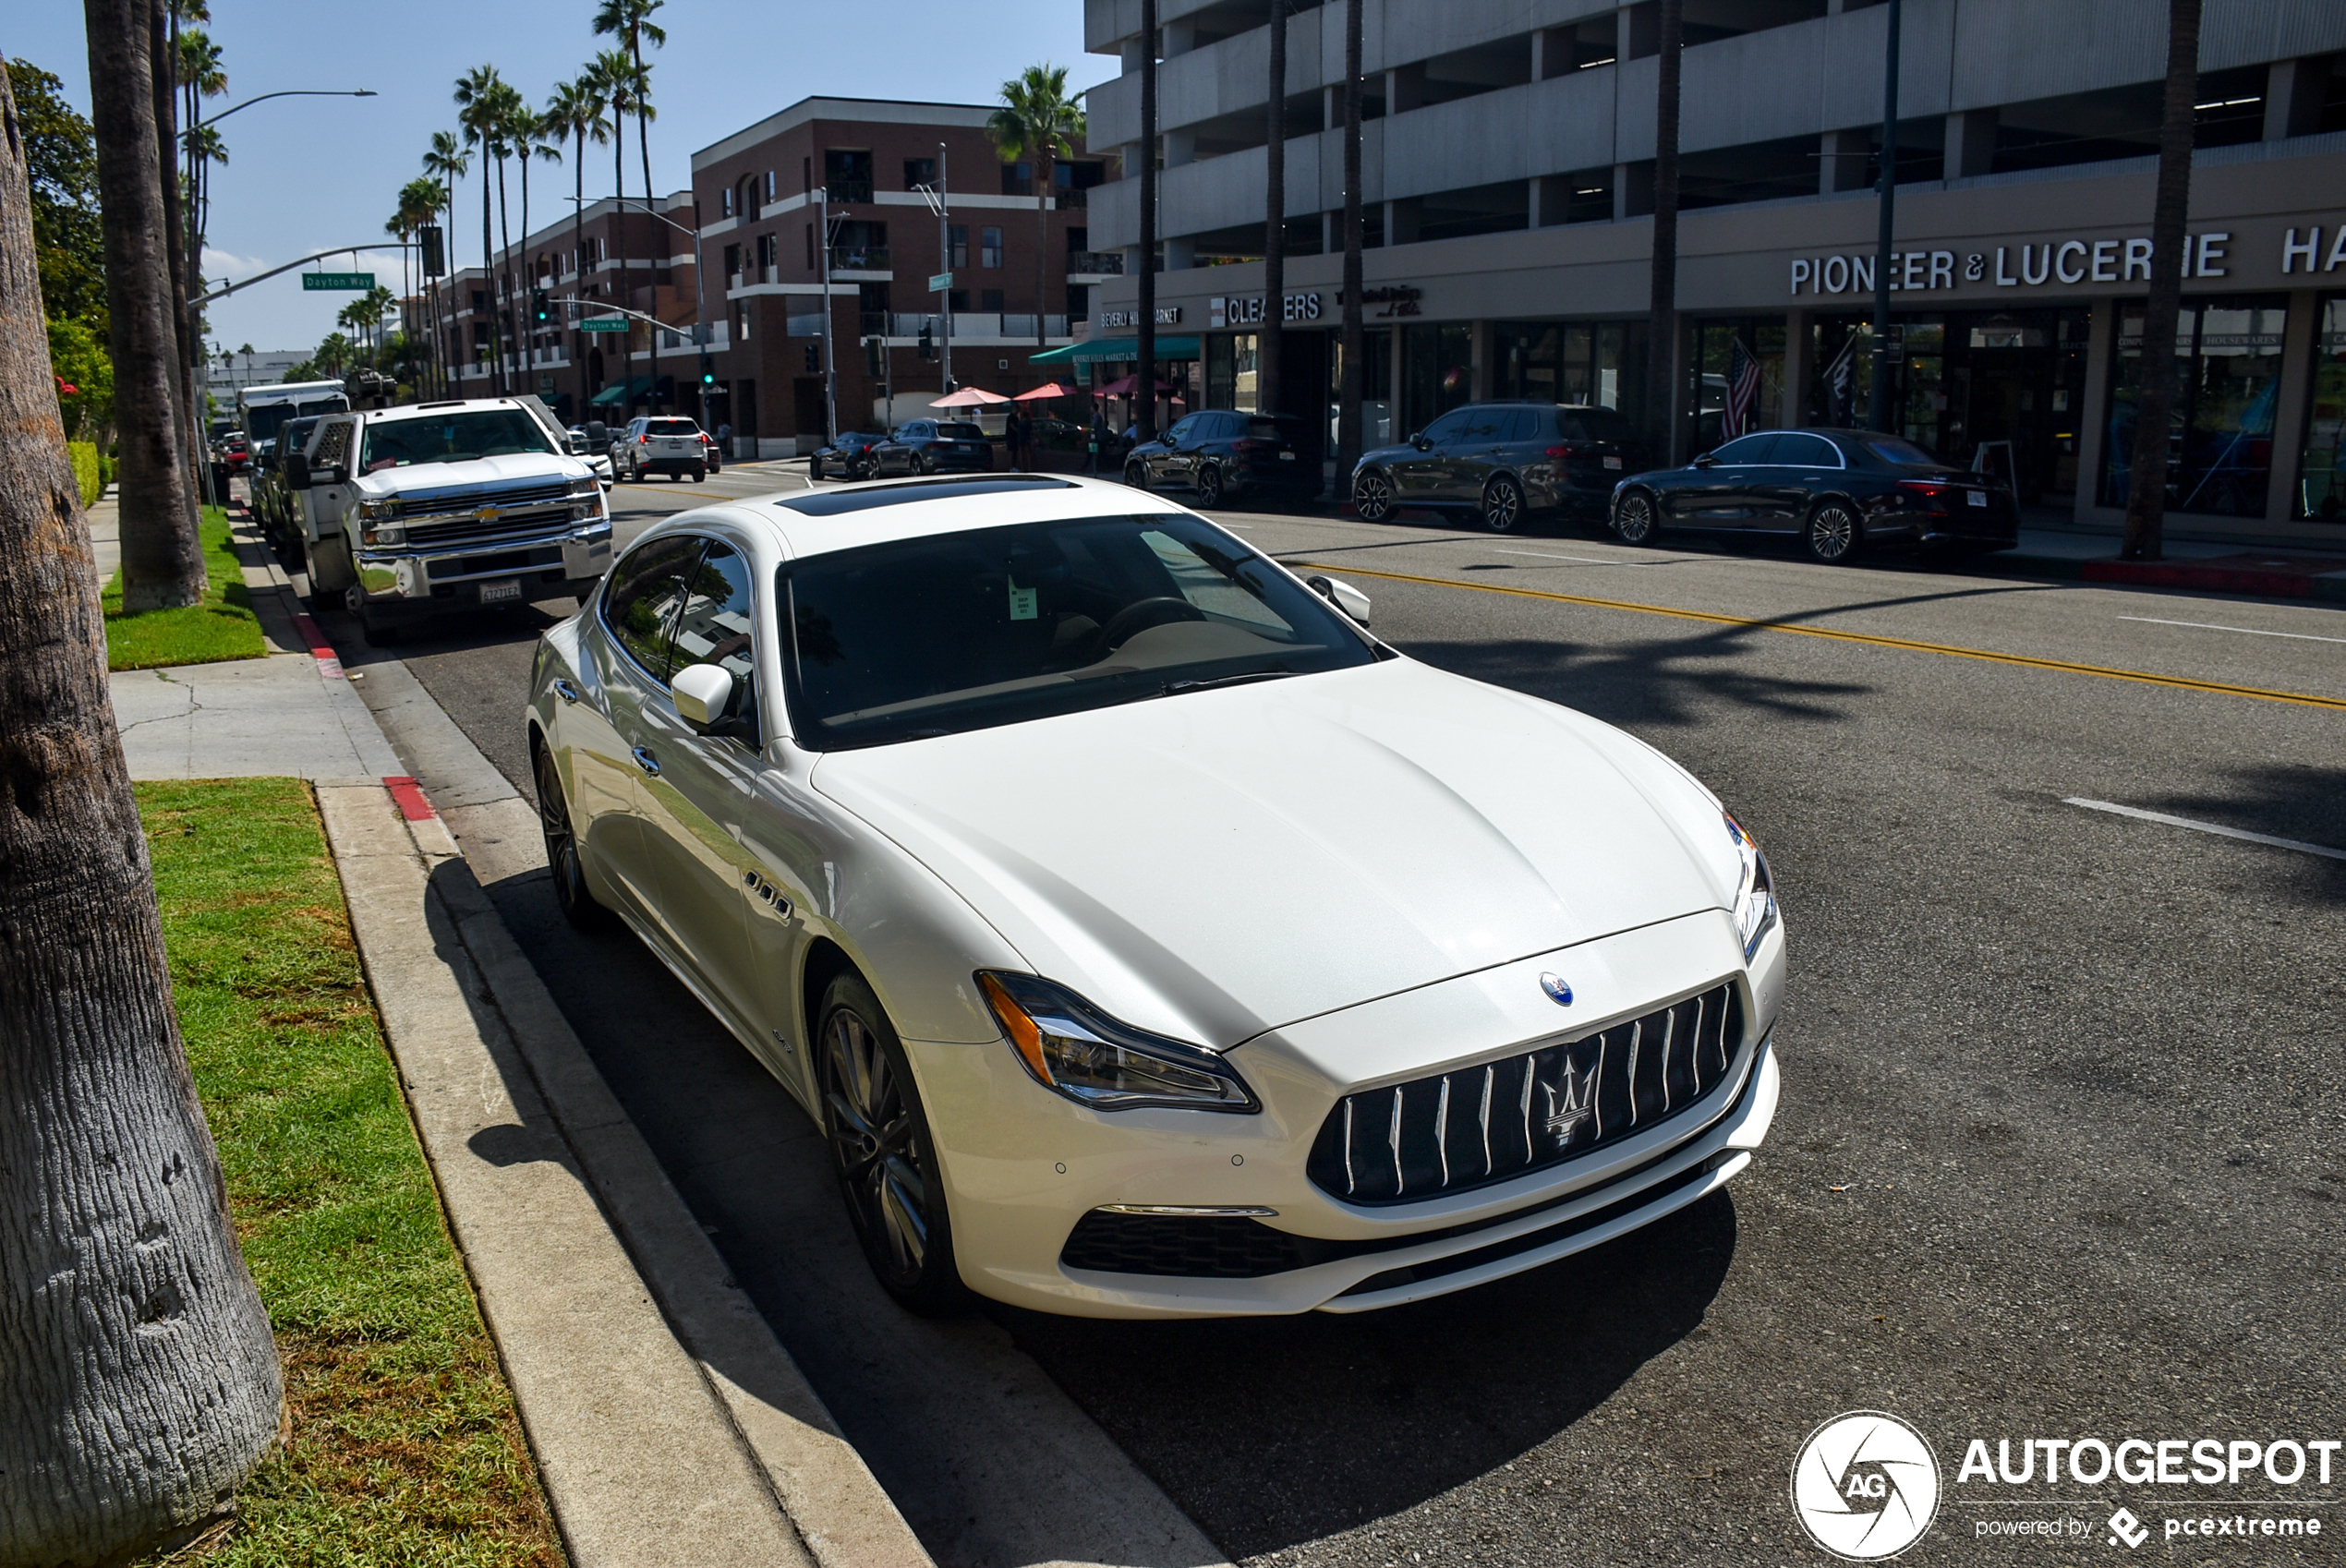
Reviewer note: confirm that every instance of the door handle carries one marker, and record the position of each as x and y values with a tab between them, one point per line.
565	691
645	760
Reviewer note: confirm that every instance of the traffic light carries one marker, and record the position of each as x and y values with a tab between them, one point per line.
928	342
813	358
541	309
875	358
707	372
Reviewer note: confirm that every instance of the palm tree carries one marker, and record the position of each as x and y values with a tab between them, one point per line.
478	93
196	65
443	161
1352	342
2154	409
1267	358
1038	124
1662	320
1144	371
631	21
246	352
577	110
205	148
333	355
500	146
532	132
616	74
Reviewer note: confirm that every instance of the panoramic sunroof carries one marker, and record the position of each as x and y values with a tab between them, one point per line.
832	504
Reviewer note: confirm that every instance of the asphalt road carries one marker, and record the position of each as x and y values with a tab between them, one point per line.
2059	1151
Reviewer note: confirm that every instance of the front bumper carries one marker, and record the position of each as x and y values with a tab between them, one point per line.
1022	1167
547	564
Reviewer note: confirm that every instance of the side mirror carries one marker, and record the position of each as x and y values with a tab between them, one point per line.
296	471
1708	459
702	693
1342	594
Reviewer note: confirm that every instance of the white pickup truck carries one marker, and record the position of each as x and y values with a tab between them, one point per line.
434	507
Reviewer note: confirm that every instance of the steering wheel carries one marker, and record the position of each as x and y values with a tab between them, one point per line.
1141	614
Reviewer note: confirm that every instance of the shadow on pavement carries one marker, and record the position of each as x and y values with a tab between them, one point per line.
1272	1431
2286	801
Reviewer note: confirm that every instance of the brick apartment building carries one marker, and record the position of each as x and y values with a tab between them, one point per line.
760	193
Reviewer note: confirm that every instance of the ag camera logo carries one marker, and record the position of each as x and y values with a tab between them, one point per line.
1865	1486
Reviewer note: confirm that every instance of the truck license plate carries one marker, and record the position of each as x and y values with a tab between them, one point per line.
1975	498
500	593
1613	462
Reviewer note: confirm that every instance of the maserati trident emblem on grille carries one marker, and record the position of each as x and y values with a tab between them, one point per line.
1558	991
487	514
1571	1101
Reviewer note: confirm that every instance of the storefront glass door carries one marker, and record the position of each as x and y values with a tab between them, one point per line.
2219	449
2321	490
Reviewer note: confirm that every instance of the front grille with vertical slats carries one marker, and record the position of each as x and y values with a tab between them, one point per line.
1480	1124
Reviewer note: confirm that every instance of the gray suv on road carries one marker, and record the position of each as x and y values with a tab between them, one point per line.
1502	463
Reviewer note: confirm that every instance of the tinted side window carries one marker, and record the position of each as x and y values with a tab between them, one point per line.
1749	448
1183	430
1451	426
1523	424
713	622
640	595
1807	450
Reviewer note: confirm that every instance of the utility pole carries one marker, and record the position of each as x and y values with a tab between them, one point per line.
1881	419
945	249
830	366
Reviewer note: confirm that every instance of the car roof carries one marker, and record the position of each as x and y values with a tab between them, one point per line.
912	509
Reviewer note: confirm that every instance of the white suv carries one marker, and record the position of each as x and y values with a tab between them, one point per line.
661	444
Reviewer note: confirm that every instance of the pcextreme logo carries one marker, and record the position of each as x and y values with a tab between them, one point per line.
1865	1486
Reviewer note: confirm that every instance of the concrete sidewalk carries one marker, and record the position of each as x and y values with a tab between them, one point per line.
2188	564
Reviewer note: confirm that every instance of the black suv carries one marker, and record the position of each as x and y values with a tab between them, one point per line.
1502	461
1222	455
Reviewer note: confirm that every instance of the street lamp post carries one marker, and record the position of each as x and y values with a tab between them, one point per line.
830	362
945	249
700	272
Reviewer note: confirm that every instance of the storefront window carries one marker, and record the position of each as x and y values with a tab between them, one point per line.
1593	362
1230	377
2219	449
2321	493
1376	387
1713	390
1437	370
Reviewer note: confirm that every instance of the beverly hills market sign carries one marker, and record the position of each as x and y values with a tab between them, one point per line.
2063	262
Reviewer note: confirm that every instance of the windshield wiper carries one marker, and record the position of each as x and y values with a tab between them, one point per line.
1174	688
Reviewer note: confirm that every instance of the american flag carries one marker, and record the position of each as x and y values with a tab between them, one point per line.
1743	392
1841	377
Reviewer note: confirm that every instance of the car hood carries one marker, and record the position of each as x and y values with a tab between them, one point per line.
1218	864
479	473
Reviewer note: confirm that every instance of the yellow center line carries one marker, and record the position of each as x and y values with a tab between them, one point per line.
2141	677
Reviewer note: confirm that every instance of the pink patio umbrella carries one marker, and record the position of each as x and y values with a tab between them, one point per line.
1048	388
968	397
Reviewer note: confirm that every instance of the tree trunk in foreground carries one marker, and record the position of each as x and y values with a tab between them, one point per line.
1145	330
1353	341
162	557
139	1382
1664	391
1267	390
2170	212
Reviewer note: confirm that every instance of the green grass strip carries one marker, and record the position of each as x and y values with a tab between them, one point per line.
405	1449
223	626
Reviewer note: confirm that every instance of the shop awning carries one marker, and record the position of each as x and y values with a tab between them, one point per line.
1091	351
622	391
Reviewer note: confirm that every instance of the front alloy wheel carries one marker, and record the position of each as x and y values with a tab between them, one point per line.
1833	534
1373	497
881	1149
1136	476
1502	505
1209	487
571	892
1633	519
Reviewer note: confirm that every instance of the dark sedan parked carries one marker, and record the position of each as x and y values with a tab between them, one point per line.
1222	455
1837	491
855	455
1502	463
929	446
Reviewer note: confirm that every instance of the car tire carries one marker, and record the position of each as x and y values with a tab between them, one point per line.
1635	520
1832	536
1373	497
814	468
882	1152
700	474
381	632
1502	505
1209	487
1136	476
579	905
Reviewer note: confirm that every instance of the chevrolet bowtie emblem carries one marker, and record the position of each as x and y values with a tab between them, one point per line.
487	514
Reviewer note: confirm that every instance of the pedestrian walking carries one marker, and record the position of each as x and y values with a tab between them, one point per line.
1014	437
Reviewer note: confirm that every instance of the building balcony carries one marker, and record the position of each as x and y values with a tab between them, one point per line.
859	258
850	190
1095	263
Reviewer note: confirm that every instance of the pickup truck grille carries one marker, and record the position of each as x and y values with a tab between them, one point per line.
1484	1124
466	531
434	503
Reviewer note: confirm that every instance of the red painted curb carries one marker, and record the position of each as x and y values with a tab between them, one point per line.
413	805
2217	579
329	661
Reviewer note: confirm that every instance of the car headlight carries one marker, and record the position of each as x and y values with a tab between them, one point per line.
1071	1048
377	511
1755	889
382	533
586	488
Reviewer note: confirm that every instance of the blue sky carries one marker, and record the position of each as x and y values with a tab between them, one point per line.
307	173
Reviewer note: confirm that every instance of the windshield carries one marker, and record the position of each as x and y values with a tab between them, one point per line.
452	438
671	427
1039	619
1891	449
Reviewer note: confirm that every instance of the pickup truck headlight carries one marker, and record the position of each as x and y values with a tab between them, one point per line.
586	498
372	510
1755	907
382	533
1071	1048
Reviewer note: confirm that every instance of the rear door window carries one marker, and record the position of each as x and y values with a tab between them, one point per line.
1806	451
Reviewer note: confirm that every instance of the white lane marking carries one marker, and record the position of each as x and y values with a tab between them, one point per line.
2244	631
1589	559
2303	848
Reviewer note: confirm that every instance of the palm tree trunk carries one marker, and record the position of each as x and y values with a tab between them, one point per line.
488	265
619	231
140	1383
162	56
1266	368
578	262
1041	242
161	560
2154	410
529	274
1353	344
505	286
1145	373
1662	391
652	206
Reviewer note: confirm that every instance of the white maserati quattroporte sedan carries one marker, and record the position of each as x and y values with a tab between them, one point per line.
1147	937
